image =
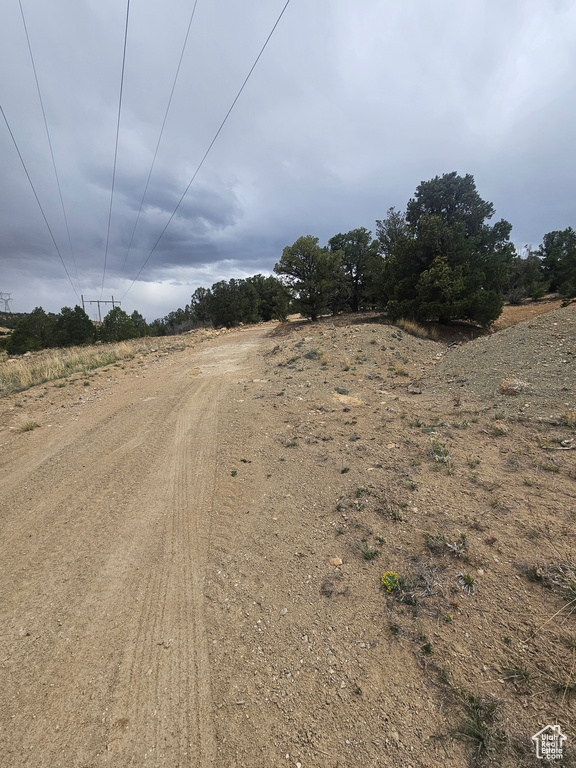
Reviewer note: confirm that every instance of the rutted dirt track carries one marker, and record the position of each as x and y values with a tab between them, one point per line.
107	525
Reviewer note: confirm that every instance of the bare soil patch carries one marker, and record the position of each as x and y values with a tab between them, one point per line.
313	546
512	315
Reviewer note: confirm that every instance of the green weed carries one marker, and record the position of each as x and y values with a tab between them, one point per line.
426	649
466	582
440	452
520	675
478	724
370	554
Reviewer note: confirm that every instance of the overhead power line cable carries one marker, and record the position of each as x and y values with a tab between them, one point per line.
116	146
159	140
38	201
222	124
49	142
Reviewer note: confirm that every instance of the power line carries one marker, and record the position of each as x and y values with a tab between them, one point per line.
222	124
116	145
38	201
49	142
159	140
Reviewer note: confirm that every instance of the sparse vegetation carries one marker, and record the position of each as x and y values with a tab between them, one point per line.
559	577
28	426
436	543
459	546
370	553
478	725
390	581
568	419
54	364
466	582
440	452
519	674
497	429
426	649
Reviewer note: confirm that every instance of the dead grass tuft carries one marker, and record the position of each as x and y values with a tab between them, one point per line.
418	330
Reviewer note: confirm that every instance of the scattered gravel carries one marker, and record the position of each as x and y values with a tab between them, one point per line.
541	353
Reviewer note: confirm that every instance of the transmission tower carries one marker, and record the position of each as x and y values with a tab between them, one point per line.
114	303
5	297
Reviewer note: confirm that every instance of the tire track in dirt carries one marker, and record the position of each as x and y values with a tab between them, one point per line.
164	692
103	643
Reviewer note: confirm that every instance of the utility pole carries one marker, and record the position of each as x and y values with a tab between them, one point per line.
98	302
5	297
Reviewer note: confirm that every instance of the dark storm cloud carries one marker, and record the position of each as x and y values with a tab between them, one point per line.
350	107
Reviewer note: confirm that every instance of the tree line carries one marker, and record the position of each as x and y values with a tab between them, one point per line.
441	259
71	327
228	303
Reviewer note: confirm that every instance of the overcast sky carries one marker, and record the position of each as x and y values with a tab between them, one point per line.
351	106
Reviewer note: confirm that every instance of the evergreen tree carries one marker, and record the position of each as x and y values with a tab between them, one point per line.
73	327
442	260
311	272
558	252
273	298
117	326
359	265
33	332
140	324
233	302
199	306
526	279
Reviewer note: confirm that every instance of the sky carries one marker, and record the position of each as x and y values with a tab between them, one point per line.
348	109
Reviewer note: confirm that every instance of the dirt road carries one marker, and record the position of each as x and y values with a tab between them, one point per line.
107	523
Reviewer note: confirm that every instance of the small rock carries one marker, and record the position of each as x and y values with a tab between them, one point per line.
512	386
284	611
335	561
347	400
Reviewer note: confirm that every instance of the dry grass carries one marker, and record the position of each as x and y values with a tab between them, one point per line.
28	426
22	373
419	330
568	419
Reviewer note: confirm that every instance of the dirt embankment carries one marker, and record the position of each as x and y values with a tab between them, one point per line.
194	547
